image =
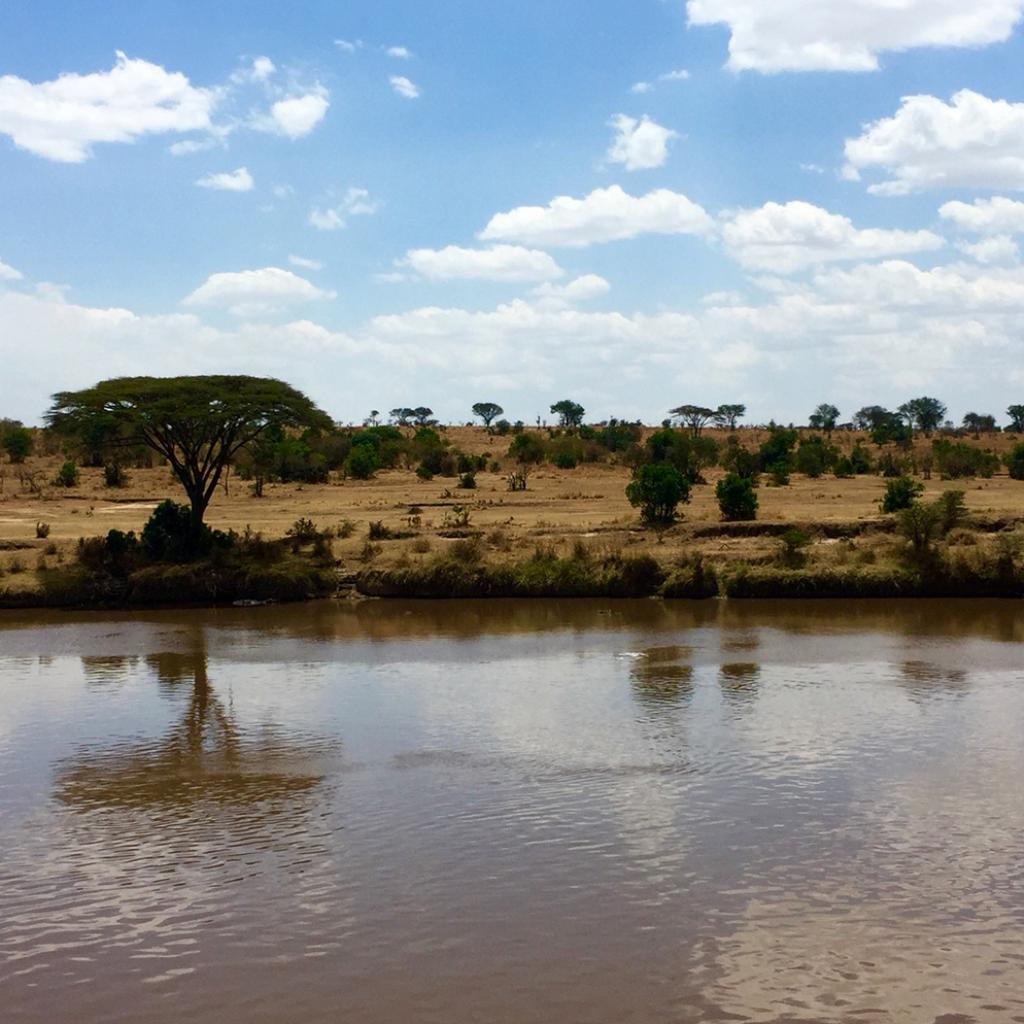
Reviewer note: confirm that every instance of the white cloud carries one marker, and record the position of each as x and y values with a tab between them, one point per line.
971	142
356	202
995	216
605	215
996	250
680	75
848	35
188	146
641	87
404	88
262	68
296	116
306	264
498	263
398	52
348	46
639	145
62	119
239	180
787	237
255	292
8	273
580	289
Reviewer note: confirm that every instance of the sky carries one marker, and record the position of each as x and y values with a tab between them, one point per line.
635	204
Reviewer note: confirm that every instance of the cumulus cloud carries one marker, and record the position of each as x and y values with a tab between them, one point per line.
357	202
62	119
296	116
398	52
996	250
258	71
970	142
639	145
306	264
995	216
404	88
255	292
498	263
8	273
348	45
239	180
794	35
787	237
605	215
679	75
580	289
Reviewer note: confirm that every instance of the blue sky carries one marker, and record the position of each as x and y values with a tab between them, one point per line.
636	205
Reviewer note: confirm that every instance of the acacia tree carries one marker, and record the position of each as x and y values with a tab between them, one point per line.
728	416
924	414
979	423
487	411
825	417
695	417
1016	414
197	424
570	414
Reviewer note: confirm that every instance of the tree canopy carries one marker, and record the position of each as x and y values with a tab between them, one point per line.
695	417
1016	414
487	411
197	423
570	414
924	414
825	417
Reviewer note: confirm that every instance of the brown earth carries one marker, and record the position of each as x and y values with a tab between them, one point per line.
559	509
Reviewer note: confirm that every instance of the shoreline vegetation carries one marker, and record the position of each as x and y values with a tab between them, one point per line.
285	505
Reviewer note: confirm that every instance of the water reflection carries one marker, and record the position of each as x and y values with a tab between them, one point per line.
739	681
206	755
659	676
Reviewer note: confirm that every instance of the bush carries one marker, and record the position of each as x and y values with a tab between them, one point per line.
468	481
657	489
527	449
1015	462
67	475
42	530
565	460
739	460
17	442
737	499
957	460
361	462
901	493
814	456
777	451
168	535
688	454
114	475
860	459
303	531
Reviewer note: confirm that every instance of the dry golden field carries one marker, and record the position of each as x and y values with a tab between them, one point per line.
559	509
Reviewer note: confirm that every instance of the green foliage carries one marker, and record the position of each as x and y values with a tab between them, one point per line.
467	481
924	414
794	540
695	417
527	449
778	450
955	460
824	417
502	427
565	460
741	461
362	462
900	493
737	499
843	467
979	423
1016	414
618	436
891	430
67	475
17	443
303	531
860	460
688	453
487	411
815	455
728	416
657	489
170	535
1014	460
570	414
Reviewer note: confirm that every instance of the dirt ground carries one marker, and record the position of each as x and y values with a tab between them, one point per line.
560	508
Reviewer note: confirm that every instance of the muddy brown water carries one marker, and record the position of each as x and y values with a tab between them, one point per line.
514	812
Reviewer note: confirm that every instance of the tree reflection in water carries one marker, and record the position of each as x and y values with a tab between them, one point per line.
207	757
739	681
659	678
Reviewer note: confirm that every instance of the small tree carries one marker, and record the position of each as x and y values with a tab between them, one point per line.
900	493
657	489
737	499
924	414
696	417
569	413
1016	414
825	417
67	475
18	444
728	416
979	423
1014	460
488	412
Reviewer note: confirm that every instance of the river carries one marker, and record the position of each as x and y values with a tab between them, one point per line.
510	812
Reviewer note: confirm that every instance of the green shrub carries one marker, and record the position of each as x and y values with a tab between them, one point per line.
565	460
527	449
657	489
468	481
17	442
361	462
860	460
815	456
168	535
67	475
1014	460
901	493
424	472
114	475
737	499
